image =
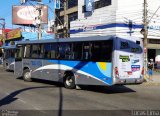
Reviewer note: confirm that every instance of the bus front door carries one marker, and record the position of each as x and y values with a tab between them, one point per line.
18	70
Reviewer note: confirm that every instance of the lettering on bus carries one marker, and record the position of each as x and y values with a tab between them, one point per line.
124	58
135	68
135	61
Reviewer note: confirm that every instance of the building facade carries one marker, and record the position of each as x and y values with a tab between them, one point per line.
67	13
120	17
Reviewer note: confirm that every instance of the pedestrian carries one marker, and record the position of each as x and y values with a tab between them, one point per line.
150	70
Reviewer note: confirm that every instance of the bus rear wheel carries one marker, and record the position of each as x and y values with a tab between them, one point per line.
27	75
69	82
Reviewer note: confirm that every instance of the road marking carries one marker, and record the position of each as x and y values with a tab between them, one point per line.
42	111
37	108
22	101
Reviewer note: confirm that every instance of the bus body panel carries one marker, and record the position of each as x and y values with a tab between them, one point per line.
52	70
45	70
92	73
86	72
8	64
18	68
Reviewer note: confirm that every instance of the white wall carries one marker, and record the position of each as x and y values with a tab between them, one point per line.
133	10
129	11
88	24
154	25
120	12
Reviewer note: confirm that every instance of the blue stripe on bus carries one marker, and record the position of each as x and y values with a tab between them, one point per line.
100	70
97	27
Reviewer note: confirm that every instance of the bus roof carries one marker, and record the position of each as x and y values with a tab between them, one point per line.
67	39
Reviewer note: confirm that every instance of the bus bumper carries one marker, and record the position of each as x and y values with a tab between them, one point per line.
130	81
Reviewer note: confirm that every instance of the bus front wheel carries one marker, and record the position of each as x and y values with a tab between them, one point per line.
69	82
27	75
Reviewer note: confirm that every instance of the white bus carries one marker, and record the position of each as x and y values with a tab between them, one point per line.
101	60
9	57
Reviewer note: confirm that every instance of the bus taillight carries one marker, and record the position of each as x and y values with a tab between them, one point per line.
142	71
116	72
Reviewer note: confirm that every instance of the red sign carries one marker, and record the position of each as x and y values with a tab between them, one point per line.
13	34
26	15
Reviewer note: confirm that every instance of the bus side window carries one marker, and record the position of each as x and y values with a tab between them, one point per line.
63	49
12	53
95	51
42	51
53	50
106	51
68	51
35	51
77	51
19	52
87	50
27	51
47	53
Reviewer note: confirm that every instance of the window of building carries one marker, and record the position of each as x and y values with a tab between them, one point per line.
73	16
60	20
154	41
72	3
98	4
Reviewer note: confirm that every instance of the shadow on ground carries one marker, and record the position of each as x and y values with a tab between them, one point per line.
100	89
12	96
108	89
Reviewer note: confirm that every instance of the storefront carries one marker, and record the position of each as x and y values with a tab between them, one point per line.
12	36
154	51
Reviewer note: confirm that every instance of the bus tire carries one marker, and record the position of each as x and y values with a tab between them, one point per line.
69	82
27	75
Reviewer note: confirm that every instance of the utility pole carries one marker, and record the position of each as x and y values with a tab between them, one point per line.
39	22
55	24
145	40
3	29
65	25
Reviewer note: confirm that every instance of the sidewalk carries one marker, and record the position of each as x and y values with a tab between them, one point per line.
155	79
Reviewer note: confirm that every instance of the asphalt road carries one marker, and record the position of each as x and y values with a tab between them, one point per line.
48	98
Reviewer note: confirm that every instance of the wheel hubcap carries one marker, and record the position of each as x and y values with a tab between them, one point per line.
69	81
27	75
